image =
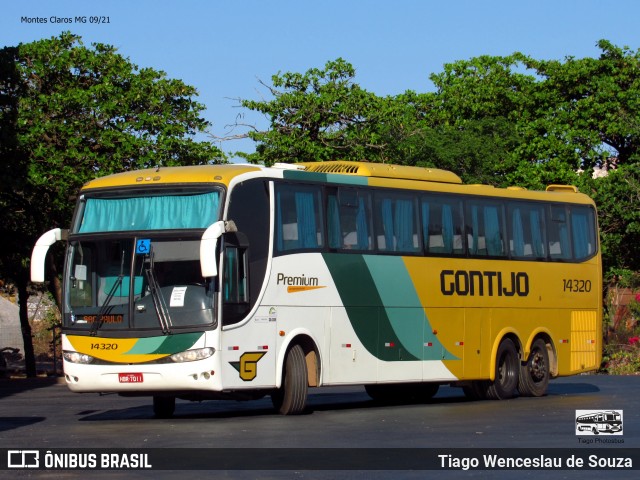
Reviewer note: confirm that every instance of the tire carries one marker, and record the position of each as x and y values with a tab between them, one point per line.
507	372
291	397
534	375
163	407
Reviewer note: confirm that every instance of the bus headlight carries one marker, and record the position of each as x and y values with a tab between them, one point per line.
193	355
76	357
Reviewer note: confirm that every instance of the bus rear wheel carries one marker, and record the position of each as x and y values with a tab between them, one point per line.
507	372
534	375
163	407
291	397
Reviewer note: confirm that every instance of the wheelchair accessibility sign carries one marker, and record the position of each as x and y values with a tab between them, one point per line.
143	246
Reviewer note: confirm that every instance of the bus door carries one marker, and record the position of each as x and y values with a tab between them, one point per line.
248	343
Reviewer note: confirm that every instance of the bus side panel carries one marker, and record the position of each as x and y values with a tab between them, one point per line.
249	351
349	361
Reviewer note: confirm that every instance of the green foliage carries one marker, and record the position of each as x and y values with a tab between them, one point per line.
621	352
465	150
510	120
590	107
621	360
69	113
634	307
315	116
483	87
618	198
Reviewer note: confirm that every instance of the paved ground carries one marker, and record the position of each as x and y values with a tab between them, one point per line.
43	414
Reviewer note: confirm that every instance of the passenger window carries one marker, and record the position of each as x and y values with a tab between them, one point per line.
526	231
397	228
559	244
442	226
298	218
349	219
235	275
484	224
583	233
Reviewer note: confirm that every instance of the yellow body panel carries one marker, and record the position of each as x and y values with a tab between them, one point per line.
222	174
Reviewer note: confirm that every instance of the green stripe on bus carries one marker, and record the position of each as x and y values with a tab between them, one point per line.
167	345
403	308
378	290
365	309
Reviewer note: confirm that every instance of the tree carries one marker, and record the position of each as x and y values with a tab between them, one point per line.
618	197
502	120
69	113
483	87
476	152
591	105
319	115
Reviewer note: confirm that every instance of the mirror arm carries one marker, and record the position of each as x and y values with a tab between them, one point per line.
208	244
40	252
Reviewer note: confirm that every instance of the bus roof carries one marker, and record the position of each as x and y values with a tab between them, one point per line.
173	175
382	170
359	173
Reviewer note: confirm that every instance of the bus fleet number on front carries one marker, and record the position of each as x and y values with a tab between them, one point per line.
576	285
104	346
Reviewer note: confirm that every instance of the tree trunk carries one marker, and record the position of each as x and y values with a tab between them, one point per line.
23	296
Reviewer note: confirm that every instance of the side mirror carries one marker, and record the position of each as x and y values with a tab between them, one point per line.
208	244
40	250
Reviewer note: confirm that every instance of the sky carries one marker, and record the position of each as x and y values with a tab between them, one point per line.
226	48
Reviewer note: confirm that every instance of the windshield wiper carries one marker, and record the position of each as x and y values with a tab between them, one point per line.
104	308
156	295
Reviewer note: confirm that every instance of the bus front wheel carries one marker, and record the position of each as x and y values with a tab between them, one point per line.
291	397
534	375
507	372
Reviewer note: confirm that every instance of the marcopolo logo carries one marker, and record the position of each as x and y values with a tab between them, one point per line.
596	422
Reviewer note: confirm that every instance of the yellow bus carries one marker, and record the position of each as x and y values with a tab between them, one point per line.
240	281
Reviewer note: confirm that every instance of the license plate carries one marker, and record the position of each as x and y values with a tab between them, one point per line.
130	377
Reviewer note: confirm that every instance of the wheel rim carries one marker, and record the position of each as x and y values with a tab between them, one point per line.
538	368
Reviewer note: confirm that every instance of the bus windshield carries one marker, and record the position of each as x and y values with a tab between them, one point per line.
134	263
113	286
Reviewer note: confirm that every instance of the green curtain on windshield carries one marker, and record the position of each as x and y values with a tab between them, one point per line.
150	213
